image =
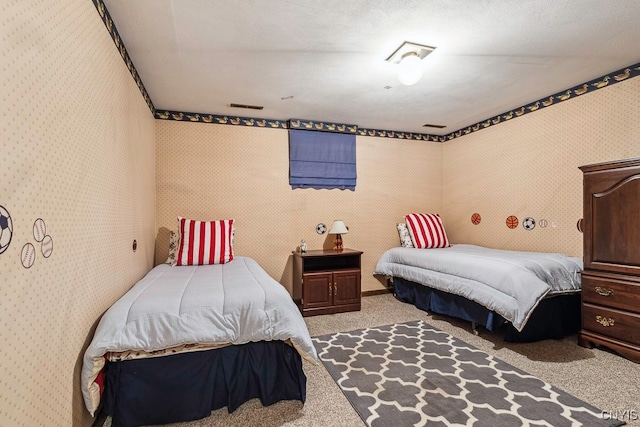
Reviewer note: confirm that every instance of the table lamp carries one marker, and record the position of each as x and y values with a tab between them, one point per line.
338	228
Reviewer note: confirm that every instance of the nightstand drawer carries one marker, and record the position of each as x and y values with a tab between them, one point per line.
612	323
611	293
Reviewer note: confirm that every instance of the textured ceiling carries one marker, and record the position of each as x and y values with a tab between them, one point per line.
325	60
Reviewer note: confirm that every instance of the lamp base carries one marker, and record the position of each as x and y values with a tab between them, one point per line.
338	243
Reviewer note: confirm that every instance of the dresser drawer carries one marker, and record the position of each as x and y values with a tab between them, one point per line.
612	323
611	293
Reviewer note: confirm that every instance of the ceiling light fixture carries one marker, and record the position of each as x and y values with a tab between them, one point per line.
409	57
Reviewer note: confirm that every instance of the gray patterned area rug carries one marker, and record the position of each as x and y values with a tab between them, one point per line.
412	374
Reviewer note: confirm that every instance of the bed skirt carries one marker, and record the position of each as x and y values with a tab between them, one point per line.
188	386
554	317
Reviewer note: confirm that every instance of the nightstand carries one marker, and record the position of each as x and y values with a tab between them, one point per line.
327	280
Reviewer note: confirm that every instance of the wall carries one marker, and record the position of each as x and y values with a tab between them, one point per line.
211	171
528	167
77	150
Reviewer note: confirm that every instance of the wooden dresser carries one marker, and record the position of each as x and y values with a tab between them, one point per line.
611	276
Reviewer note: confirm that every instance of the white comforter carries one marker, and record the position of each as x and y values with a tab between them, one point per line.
511	283
232	303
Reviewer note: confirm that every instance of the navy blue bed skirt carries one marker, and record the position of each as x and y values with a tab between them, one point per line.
553	318
188	386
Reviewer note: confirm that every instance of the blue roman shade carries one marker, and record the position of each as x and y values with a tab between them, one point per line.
322	160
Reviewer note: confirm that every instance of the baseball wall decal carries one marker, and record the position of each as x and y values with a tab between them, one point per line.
28	255
47	246
39	230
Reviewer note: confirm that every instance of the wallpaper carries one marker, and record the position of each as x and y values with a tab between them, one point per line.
77	144
86	171
528	168
210	171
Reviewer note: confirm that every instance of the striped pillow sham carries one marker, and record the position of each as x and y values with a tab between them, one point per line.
426	231
205	242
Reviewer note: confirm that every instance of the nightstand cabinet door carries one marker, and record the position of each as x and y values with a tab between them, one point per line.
346	287
317	290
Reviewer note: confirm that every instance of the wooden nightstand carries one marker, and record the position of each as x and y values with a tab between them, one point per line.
327	280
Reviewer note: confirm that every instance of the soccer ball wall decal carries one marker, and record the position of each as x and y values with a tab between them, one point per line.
321	228
529	223
6	229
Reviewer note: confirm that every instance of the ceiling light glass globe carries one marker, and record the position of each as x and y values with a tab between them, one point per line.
410	70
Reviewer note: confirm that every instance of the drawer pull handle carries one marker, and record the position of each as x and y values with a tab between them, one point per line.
605	292
605	321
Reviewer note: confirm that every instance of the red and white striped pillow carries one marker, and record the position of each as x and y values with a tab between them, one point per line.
205	242
426	231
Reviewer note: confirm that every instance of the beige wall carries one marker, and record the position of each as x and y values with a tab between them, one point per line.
208	171
77	146
528	167
77	149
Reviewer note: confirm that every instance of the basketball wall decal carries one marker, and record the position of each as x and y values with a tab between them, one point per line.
39	230
47	246
543	223
28	255
6	229
512	221
476	218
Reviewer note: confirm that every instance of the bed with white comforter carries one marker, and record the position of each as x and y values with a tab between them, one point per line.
208	306
510	283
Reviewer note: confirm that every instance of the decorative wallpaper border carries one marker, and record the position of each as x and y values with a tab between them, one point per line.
117	40
322	126
564	95
382	133
182	116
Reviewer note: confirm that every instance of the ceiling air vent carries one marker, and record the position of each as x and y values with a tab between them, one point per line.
248	107
433	126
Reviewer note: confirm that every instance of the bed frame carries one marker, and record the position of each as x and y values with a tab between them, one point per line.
188	386
554	318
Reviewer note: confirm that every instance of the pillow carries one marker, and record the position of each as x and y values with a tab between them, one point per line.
205	242
174	240
403	233
426	231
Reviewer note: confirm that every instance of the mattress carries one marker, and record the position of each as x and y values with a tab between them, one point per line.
195	307
510	283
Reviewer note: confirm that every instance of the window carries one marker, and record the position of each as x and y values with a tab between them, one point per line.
322	160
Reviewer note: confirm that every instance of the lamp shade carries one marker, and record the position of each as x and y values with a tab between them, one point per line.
410	69
338	227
